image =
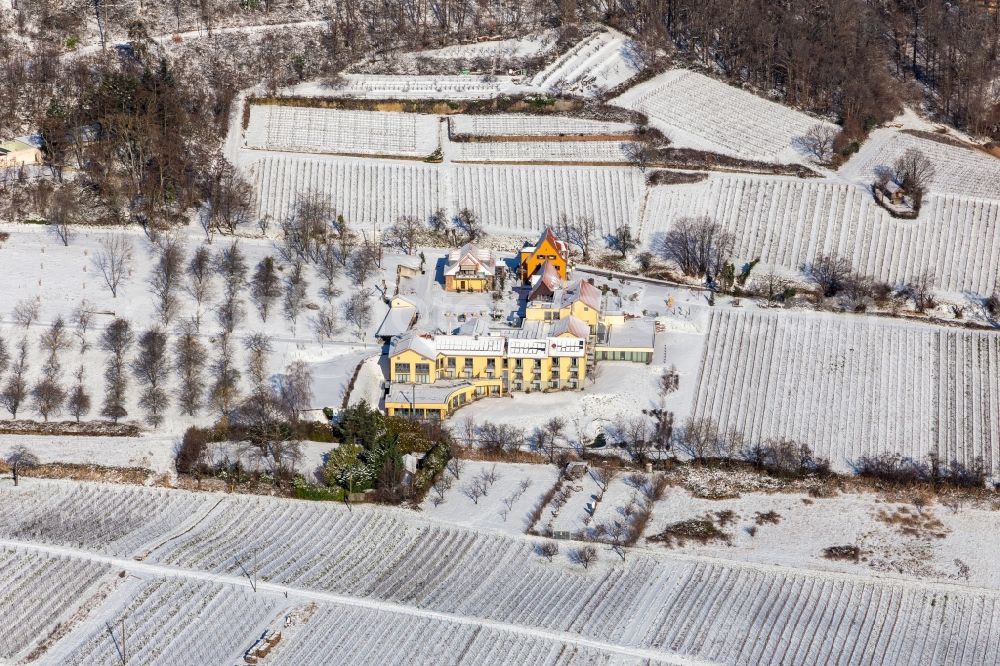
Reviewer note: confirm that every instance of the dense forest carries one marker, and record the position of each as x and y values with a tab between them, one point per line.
164	105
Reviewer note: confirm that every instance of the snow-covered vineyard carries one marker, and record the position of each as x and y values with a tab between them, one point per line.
173	621
308	130
481	590
851	387
961	171
39	589
695	109
519	124
788	222
597	63
525	199
365	192
592	152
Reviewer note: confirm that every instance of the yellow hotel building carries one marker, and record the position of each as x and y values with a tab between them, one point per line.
430	376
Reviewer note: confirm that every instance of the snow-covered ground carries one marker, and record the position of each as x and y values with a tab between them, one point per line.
596	64
788	222
964	172
306	130
850	386
245	564
39	268
507	506
697	111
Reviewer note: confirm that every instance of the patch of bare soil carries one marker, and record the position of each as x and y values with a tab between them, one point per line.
706	529
665	177
70	428
75	472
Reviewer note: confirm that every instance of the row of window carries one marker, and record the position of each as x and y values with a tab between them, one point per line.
634	356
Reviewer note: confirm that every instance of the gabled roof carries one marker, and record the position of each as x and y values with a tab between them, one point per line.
481	257
570	325
421	343
583	291
545	282
550	236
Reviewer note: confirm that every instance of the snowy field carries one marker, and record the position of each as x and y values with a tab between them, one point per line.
789	222
596	64
959	171
520	124
507	506
389	86
698	111
530	46
511	199
376	565
306	130
585	152
793	529
366	192
853	386
38	267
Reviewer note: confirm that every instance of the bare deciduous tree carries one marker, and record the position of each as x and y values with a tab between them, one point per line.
830	273
62	213
48	397
913	171
114	261
699	246
324	324
405	233
199	282
265	286
152	368
116	341
468	222
361	266
258	347
224	391
15	391
921	290
189	360
26	312
548	550
165	279
78	402
19	458
358	312
819	141
622	240
231	199
328	266
295	293
83	319
584	556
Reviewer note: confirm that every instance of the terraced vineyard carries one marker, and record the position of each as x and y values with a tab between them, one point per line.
381	577
957	170
307	130
94	517
725	118
518	199
365	192
179	622
355	635
593	152
788	222
597	63
853	386
520	124
38	592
